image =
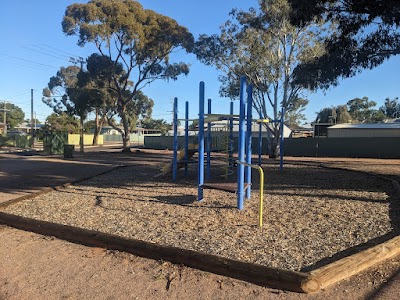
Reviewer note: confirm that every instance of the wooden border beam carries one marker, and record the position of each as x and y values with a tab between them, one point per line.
258	274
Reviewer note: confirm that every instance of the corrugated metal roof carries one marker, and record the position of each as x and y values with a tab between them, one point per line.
367	126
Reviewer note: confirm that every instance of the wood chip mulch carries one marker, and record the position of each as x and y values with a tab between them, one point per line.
312	215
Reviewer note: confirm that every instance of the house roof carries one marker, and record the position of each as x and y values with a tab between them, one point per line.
367	126
26	125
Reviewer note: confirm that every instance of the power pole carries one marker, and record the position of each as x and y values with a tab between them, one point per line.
5	116
32	132
77	60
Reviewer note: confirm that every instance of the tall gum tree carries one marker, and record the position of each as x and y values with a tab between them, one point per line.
140	40
367	34
263	45
63	95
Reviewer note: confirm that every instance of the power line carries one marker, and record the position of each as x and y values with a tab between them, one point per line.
51	51
69	54
41	52
19	95
30	61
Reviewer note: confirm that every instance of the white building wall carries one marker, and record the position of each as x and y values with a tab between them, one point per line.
360	132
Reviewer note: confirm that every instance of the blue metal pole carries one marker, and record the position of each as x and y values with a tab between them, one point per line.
282	140
260	142
209	143
200	173
186	135
230	142
241	147
175	146
249	139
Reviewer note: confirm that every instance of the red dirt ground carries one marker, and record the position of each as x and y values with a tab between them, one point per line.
39	267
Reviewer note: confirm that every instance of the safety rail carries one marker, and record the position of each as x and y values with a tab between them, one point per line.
261	172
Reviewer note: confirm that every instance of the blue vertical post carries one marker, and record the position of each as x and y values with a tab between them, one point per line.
241	147
200	173
186	135
175	146
282	140
209	143
230	142
260	142
249	139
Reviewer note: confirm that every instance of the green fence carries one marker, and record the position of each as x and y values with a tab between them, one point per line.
53	142
19	141
308	147
133	138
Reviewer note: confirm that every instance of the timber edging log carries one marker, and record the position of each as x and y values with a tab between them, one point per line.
353	264
258	274
262	275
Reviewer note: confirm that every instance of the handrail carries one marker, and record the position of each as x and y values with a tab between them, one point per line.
261	172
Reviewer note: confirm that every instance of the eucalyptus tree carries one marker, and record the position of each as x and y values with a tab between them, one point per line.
391	108
263	45
139	40
62	122
96	79
63	95
362	110
335	115
14	115
104	97
367	33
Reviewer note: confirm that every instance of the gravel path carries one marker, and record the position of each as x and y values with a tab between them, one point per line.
312	215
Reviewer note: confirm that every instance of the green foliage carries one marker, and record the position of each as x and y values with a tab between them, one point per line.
366	35
89	126
63	95
62	122
357	110
141	105
14	116
294	113
263	45
335	115
391	108
361	110
137	44
158	124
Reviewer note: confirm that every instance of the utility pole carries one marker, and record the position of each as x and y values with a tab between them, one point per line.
32	132
77	60
5	116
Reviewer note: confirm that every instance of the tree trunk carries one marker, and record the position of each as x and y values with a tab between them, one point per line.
99	122
274	143
126	133
81	147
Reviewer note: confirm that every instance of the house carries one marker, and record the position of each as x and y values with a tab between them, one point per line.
108	130
321	129
3	128
305	130
26	128
364	130
267	131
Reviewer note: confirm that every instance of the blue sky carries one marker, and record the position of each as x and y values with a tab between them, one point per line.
33	48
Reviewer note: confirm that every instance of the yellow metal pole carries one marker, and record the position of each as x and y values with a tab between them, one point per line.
260	210
261	204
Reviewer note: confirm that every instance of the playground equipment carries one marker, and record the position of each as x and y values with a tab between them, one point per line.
243	188
184	155
261	203
244	162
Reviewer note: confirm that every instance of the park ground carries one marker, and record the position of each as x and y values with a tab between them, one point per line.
40	267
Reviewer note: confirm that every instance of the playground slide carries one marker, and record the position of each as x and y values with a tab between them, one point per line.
167	168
